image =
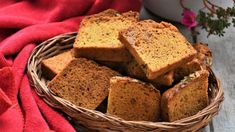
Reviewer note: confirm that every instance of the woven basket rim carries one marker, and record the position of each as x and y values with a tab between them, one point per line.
58	44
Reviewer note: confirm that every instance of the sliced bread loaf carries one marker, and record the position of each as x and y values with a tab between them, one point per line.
164	80
134	100
83	82
187	69
157	47
186	98
98	36
54	65
134	70
204	54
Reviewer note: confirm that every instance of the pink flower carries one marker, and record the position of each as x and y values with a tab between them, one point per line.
189	19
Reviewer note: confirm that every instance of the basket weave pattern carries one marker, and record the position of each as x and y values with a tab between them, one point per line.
99	121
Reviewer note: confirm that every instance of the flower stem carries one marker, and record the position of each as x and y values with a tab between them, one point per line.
212	4
213	7
212	10
182	5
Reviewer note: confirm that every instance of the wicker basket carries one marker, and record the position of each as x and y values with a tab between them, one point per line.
96	120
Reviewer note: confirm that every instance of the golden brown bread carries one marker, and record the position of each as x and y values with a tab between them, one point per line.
134	100
52	66
157	47
204	54
133	69
202	60
97	37
186	98
187	69
164	80
83	82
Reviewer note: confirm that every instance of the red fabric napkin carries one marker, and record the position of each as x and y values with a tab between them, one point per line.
23	25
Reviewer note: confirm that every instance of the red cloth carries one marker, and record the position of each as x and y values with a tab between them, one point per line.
23	25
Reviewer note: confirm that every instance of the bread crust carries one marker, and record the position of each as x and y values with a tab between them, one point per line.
132	99
187	69
167	107
83	82
119	54
204	54
53	65
133	69
98	36
48	72
142	33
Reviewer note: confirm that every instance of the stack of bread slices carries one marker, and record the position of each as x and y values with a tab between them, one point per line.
132	69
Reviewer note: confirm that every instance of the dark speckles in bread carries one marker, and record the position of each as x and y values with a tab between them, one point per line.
186	98
157	47
134	70
54	65
83	82
134	100
186	69
97	37
159	53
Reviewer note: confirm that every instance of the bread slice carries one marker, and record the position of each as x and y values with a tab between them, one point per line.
157	47
83	82
186	98
97	37
202	60
187	69
164	80
54	65
204	54
133	69
133	100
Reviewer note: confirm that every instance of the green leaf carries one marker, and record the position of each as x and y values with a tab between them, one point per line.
216	23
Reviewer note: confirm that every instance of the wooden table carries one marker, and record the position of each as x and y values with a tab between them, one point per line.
223	49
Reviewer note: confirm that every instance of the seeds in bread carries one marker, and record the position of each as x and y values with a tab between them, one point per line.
134	100
97	37
54	65
187	69
83	82
157	47
186	98
134	70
